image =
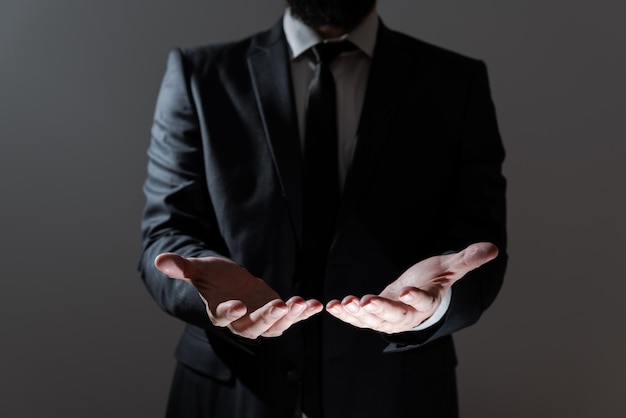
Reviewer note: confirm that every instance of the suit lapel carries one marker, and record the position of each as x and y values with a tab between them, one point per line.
391	73
268	63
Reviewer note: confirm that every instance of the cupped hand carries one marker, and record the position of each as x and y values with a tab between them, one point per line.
415	295
236	299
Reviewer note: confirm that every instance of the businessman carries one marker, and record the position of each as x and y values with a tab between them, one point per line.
325	207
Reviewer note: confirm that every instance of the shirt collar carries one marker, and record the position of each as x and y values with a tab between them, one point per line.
300	37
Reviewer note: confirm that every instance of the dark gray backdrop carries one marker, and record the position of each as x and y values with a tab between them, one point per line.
78	80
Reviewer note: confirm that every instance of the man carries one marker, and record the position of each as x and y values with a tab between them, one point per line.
334	301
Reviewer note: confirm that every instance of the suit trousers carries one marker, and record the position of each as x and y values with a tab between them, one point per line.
195	395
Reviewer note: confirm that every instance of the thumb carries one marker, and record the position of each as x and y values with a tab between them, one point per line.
173	265
475	255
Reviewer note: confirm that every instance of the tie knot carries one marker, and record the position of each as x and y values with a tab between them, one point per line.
325	52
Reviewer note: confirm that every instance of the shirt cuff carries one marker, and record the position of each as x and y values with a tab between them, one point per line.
439	313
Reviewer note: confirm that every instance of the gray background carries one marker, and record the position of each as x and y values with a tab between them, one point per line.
80	336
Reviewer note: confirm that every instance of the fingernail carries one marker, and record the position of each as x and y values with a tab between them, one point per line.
408	297
352	307
235	312
297	308
371	306
277	312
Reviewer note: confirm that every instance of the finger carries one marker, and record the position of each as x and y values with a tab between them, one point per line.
336	309
339	311
478	254
392	316
299	310
472	257
389	311
366	319
226	312
380	314
173	265
295	307
352	304
419	299
256	323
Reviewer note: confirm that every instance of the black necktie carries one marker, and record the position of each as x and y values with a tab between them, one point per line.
321	201
321	166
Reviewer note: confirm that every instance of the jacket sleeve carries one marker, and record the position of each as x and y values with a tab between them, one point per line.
475	211
178	215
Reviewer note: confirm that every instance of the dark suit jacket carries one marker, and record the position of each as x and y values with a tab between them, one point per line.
224	179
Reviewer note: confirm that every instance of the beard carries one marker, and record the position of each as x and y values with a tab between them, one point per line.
346	14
